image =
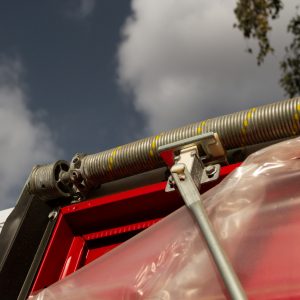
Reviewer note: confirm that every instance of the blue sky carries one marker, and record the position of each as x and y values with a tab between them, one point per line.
69	61
87	75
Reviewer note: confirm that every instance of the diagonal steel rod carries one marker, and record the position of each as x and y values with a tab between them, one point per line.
192	199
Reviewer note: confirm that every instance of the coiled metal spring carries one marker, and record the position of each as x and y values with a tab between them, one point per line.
256	125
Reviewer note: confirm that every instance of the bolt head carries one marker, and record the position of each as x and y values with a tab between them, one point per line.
52	215
181	177
178	168
210	170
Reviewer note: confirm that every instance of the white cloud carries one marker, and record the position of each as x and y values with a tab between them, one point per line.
81	9
24	140
184	61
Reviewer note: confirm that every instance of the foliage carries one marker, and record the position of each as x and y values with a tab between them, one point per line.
290	66
253	20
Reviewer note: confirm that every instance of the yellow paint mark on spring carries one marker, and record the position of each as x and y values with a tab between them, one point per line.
200	127
246	123
298	107
112	158
296	121
153	145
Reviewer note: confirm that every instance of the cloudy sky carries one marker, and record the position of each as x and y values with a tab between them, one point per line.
87	75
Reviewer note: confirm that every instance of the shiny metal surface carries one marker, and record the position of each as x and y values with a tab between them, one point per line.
46	181
253	126
187	172
87	172
193	201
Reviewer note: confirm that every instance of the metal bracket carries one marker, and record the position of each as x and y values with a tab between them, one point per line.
200	154
80	187
188	172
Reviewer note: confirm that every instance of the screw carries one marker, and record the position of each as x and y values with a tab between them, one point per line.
193	153
179	170
52	215
171	182
77	198
176	158
181	177
210	170
77	162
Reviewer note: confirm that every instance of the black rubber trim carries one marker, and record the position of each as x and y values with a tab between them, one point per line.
25	290
23	239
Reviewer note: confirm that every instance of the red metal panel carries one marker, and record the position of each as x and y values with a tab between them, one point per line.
92	254
74	258
228	169
55	255
109	199
88	229
119	230
98	243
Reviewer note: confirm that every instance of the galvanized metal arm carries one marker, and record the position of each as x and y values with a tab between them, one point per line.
188	172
